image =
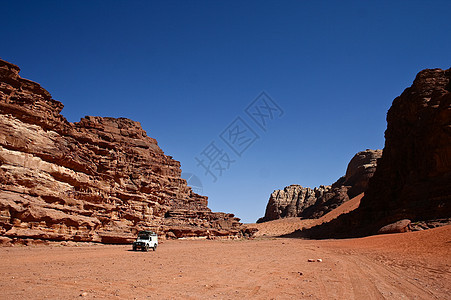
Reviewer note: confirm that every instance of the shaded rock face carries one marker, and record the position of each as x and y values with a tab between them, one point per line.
413	177
298	201
99	180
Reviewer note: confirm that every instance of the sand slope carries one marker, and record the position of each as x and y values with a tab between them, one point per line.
289	225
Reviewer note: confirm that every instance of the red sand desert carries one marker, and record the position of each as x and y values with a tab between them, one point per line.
414	265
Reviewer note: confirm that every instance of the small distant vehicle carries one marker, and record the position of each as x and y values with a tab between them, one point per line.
146	240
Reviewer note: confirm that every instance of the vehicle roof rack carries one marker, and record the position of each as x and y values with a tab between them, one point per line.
147	232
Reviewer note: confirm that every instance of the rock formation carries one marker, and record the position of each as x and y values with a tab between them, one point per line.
292	201
98	180
413	177
360	169
297	201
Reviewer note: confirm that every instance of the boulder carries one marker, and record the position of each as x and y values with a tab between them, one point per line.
397	227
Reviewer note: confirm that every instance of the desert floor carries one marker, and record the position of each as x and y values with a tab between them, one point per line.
413	265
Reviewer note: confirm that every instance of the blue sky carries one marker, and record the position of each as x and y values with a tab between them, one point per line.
187	69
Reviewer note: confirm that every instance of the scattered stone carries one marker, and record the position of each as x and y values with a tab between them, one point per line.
249	232
5	241
171	235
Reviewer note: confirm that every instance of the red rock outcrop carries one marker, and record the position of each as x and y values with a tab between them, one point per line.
98	180
413	177
297	201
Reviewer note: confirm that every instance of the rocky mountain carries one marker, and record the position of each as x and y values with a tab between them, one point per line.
413	177
298	201
98	180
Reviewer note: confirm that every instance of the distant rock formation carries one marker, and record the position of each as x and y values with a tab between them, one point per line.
98	180
413	178
292	201
298	201
360	169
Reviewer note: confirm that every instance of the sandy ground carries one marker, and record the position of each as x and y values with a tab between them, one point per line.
413	265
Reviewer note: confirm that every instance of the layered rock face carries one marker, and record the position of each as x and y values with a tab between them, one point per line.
292	201
297	201
413	177
98	180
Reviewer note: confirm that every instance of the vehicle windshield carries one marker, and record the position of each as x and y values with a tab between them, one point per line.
143	237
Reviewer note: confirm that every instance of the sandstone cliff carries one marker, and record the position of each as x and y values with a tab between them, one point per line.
99	180
297	201
413	177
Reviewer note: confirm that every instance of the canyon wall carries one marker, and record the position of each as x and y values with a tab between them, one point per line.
413	177
98	180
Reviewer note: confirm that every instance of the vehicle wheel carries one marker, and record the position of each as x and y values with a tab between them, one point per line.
155	248
146	248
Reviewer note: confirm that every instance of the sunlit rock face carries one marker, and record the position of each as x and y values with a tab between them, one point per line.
98	180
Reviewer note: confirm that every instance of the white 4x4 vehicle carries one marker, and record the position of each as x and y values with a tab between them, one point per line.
146	240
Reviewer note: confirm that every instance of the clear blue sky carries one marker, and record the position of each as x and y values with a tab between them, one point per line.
187	69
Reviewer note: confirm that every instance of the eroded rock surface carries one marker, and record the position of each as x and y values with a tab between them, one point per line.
413	177
304	202
98	180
